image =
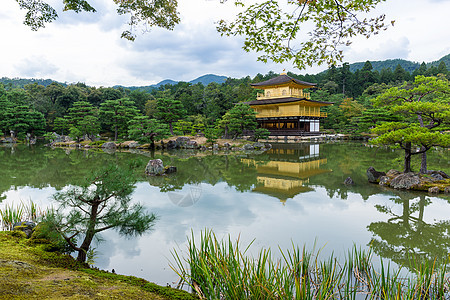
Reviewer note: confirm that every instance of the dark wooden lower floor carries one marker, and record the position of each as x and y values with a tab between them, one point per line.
293	127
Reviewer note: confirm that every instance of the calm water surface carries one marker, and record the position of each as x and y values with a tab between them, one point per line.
292	194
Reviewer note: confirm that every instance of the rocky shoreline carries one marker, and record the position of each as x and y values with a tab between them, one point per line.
434	182
181	142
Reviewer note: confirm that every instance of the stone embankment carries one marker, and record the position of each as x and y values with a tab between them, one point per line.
434	182
181	142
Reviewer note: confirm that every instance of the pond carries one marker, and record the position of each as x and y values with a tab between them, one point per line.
291	194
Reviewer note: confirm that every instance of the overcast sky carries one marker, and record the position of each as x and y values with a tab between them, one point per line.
87	47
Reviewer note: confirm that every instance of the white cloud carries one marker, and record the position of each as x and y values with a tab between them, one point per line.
387	49
37	67
87	47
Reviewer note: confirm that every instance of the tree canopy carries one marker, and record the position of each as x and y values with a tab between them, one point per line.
161	13
102	202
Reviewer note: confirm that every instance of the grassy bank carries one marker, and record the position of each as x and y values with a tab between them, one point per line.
29	272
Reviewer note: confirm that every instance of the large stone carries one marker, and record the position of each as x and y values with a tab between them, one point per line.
182	141
25	226
405	181
215	147
384	180
109	145
170	170
172	145
129	144
249	147
434	190
447	190
437	177
133	145
227	145
154	167
258	145
374	176
191	145
438	174
349	181
393	173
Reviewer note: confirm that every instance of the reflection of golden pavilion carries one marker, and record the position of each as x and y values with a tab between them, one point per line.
286	179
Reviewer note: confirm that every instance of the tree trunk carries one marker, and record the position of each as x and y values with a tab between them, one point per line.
407	165
171	128
406	213
115	133
90	232
423	163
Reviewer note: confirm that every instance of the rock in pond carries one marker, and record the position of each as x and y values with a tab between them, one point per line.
434	190
249	147
349	181
182	141
109	145
154	167
172	145
405	181
373	176
170	169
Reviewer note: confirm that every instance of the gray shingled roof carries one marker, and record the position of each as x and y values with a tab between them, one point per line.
280	80
283	100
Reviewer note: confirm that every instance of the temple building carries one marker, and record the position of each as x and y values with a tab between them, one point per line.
285	109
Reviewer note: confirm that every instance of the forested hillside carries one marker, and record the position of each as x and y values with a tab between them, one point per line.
184	108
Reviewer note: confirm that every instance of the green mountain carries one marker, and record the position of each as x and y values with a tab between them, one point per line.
208	78
21	82
445	59
409	66
205	80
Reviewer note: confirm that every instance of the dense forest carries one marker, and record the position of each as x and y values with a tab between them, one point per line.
183	108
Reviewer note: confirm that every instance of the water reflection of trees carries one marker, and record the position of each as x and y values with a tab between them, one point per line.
209	169
406	235
40	167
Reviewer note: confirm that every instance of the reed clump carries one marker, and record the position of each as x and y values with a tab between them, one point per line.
10	214
222	269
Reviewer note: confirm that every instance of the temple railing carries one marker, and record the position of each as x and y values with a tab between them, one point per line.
273	95
274	114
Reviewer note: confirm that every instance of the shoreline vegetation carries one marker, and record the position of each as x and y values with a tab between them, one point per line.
221	269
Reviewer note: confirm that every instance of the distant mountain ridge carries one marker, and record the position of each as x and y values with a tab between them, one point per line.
21	82
409	66
205	80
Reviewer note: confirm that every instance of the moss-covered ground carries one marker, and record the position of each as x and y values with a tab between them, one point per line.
29	272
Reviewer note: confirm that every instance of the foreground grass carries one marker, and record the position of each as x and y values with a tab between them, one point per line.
29	272
221	269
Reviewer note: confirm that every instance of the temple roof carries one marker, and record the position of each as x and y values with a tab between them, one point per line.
282	79
284	100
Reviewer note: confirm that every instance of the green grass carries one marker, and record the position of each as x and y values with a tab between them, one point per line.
222	269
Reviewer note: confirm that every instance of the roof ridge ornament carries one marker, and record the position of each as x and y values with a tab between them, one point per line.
284	72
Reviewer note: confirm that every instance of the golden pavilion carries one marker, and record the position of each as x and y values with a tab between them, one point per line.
285	109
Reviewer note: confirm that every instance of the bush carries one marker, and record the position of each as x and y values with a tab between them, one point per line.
51	240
